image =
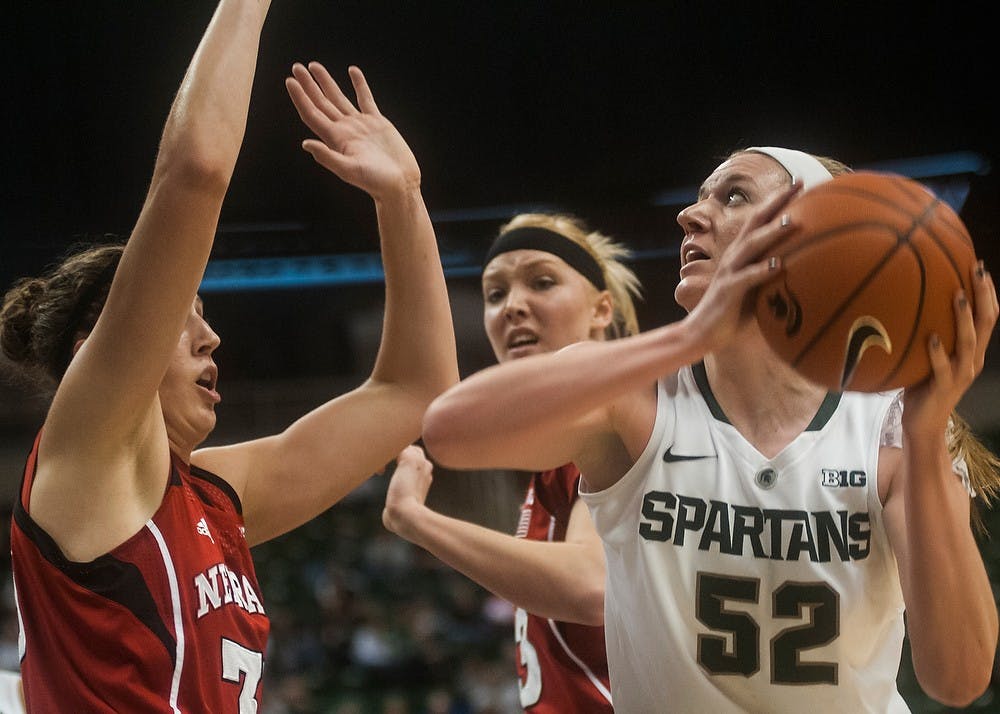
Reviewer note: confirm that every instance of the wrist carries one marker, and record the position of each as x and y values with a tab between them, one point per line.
401	190
400	517
689	339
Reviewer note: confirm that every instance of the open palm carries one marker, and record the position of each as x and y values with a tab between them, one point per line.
356	143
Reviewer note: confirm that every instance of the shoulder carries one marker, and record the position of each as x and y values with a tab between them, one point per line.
209	486
230	464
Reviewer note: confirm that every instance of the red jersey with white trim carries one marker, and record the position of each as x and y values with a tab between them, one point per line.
171	620
562	667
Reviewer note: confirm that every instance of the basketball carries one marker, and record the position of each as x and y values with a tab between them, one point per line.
871	269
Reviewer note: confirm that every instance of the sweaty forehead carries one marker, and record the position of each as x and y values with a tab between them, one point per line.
750	166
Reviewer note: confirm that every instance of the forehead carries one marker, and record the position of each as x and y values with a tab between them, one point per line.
750	166
518	261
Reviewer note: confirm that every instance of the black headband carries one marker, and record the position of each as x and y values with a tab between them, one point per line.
575	255
83	304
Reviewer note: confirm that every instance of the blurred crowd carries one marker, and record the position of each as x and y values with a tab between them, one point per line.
363	621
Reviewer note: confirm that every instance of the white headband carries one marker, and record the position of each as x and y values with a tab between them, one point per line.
800	165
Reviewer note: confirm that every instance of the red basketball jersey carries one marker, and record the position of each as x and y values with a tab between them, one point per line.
171	620
562	667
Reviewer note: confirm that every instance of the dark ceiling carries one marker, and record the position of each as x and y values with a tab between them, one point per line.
594	108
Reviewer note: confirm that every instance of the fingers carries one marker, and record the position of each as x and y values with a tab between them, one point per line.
983	314
985	301
771	208
413	452
967	360
306	109
759	272
308	80
941	365
314	86
366	101
328	158
331	90
974	324
769	225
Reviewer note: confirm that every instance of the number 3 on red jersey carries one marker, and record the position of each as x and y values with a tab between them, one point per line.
531	688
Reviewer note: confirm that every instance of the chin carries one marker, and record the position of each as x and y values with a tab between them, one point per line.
687	296
206	427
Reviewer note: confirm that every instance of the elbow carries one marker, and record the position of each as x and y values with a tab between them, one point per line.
587	603
433	386
958	686
440	434
195	166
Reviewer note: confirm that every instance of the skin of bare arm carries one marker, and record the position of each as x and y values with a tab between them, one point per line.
951	614
103	458
286	479
562	580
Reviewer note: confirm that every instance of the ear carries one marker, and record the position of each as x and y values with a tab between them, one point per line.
603	313
77	345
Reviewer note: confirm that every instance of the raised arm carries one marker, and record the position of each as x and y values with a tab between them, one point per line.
122	362
951	616
104	452
561	580
291	477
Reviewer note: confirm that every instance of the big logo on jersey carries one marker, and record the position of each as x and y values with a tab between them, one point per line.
775	534
219	586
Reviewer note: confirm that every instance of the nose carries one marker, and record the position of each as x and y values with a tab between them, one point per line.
208	341
515	305
693	218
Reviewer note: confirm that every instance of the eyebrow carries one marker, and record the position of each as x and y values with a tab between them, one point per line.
725	180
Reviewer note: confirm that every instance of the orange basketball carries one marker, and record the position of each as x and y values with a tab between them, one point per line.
871	270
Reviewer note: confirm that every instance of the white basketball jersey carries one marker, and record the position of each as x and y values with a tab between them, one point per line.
738	583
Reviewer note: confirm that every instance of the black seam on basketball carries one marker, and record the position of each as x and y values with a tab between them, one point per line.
901	359
919	222
878	199
862	284
943	247
953	222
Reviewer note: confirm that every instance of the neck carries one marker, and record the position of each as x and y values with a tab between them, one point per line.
183	444
762	396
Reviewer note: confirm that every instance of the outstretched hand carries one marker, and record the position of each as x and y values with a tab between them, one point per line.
408	488
929	404
356	143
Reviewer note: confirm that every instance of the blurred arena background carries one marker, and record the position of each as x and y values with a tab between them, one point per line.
610	111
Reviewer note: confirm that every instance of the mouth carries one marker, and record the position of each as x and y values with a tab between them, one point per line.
521	340
692	254
208	380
